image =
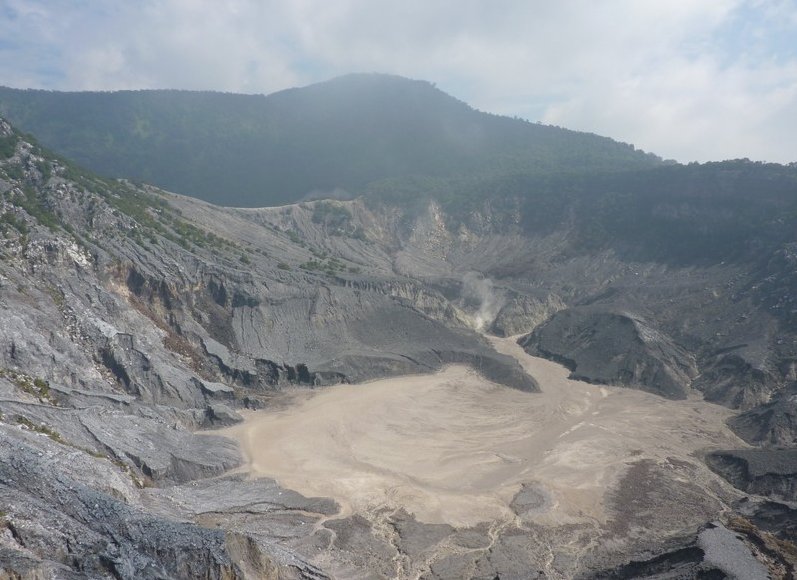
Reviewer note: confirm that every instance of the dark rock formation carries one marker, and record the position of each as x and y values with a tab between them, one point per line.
63	523
773	424
522	314
715	552
768	472
614	348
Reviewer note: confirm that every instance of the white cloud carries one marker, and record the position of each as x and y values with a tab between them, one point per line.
689	80
695	110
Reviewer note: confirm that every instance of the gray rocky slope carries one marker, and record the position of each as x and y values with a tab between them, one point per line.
133	318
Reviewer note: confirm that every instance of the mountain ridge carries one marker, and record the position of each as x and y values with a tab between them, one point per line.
341	134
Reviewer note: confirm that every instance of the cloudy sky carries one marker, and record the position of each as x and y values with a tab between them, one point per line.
686	79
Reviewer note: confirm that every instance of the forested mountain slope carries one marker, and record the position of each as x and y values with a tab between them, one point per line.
337	136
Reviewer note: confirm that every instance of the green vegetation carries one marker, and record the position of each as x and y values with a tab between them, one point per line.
58	438
33	204
43	429
311	265
294	237
14	171
36	387
399	143
46	169
349	132
676	214
336	219
10	219
329	266
8	145
57	295
152	214
330	213
133	202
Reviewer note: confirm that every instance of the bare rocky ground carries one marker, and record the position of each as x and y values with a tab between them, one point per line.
135	321
578	475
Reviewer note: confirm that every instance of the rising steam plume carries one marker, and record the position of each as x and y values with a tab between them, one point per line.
478	293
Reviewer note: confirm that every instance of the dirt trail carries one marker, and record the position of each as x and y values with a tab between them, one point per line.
452	447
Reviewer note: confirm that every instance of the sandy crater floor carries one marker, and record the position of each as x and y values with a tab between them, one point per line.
452	447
